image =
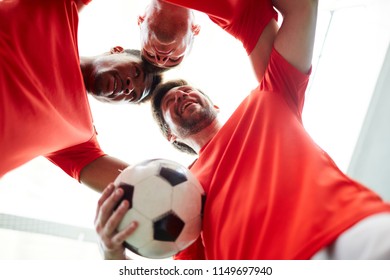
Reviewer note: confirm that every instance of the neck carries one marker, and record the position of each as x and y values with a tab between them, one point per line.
198	140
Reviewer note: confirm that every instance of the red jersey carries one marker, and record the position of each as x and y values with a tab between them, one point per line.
44	105
271	192
244	19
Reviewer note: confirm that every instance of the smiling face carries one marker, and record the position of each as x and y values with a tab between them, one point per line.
117	76
187	111
167	33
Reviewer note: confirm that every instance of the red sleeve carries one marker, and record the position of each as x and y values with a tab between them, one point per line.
81	3
73	159
243	19
85	2
283	78
194	252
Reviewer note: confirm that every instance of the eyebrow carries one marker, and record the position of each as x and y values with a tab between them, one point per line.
165	99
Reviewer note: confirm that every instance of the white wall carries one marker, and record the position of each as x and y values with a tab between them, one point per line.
371	160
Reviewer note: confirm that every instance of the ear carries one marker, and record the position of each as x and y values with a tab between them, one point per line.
117	49
171	138
141	19
195	29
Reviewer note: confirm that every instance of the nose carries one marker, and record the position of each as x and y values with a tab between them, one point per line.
180	94
161	59
129	86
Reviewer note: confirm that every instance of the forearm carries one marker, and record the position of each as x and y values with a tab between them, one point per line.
295	38
102	171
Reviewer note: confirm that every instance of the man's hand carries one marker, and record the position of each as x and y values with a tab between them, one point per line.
107	220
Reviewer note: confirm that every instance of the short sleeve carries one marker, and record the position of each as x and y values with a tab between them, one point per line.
73	159
283	78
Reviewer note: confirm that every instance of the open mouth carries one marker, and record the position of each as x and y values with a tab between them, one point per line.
184	105
115	86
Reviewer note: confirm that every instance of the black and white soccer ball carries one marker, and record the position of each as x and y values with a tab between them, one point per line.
166	200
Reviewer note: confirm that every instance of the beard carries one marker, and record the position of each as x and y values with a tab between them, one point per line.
197	122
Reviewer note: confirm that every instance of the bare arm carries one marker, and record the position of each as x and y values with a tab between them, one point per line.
102	171
294	40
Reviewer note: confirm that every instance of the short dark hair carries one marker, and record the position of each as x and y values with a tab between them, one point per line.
149	68
157	97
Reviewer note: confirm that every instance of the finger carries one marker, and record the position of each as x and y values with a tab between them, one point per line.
107	208
106	193
115	218
121	236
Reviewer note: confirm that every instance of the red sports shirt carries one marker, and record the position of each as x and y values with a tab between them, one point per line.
44	105
244	19
271	192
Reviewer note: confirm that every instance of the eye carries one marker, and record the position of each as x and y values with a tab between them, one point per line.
137	72
168	102
151	55
174	59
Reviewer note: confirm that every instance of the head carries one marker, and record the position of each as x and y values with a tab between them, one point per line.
120	76
167	33
181	111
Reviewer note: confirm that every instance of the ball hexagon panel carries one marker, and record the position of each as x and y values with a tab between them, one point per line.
143	233
186	201
191	178
152	197
135	173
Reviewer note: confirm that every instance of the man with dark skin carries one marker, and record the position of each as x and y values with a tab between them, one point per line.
43	90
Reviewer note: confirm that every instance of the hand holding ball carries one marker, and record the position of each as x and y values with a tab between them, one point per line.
166	200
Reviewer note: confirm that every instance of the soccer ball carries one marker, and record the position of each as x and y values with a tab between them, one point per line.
166	200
